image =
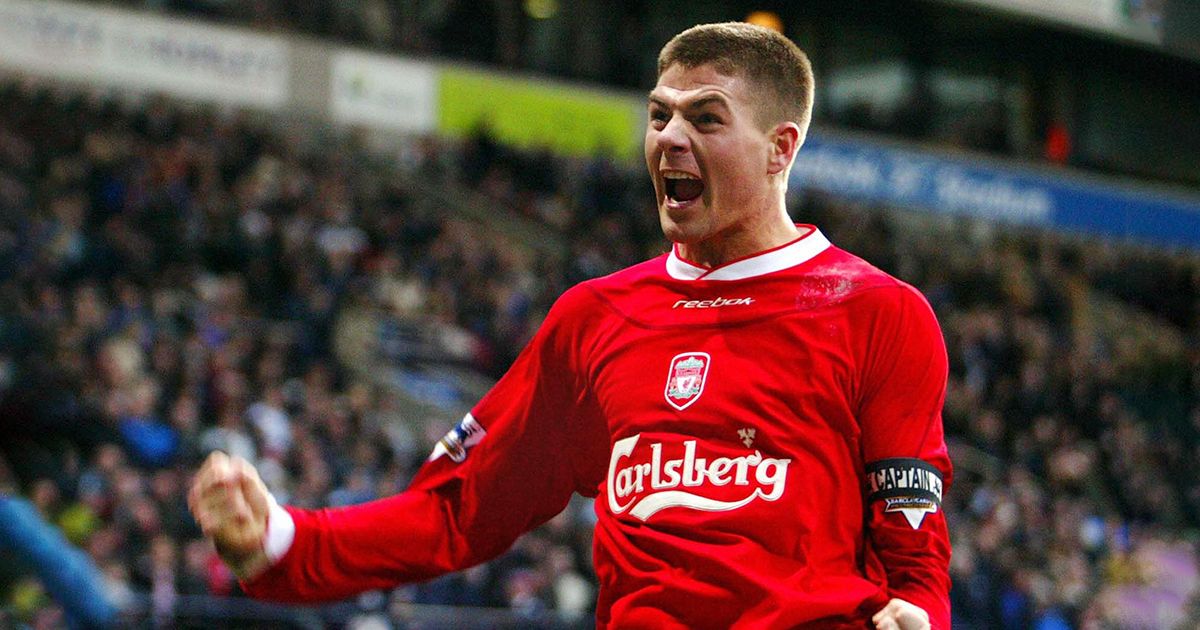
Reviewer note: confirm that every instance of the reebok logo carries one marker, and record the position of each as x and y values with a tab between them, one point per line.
645	487
714	303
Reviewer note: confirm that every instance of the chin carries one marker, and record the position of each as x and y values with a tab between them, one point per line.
671	228
687	225
675	236
682	233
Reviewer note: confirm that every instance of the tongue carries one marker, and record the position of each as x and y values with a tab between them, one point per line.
688	189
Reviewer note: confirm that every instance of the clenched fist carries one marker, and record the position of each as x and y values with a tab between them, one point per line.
231	504
901	615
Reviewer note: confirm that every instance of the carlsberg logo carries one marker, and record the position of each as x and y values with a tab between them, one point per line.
644	488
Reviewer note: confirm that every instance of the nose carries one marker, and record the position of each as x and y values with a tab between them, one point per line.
673	137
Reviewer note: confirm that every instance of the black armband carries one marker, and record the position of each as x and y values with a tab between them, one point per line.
907	485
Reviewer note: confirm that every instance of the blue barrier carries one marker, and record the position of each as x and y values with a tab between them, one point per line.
869	171
67	573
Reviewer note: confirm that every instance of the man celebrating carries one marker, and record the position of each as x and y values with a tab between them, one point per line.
758	412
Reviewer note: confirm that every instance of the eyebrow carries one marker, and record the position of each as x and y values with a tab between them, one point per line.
699	103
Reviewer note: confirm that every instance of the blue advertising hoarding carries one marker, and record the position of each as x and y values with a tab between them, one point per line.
869	171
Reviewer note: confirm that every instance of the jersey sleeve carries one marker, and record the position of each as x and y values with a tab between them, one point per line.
511	465
906	464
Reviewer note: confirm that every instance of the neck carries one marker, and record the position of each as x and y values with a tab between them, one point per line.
740	241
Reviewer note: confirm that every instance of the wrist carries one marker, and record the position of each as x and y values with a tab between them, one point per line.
279	534
248	567
276	539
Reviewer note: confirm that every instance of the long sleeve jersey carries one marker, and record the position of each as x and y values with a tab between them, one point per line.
763	440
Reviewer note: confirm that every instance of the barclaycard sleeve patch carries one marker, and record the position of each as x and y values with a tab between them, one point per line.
909	486
458	440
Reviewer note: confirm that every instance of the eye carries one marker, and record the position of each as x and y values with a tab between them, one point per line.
707	119
659	116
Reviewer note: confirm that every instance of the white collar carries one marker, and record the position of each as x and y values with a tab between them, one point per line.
791	254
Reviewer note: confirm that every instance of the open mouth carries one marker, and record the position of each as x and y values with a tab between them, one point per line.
682	187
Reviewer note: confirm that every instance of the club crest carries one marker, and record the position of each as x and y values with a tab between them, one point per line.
686	377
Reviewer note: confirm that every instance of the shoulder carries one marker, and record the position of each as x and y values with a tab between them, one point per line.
864	282
597	298
875	299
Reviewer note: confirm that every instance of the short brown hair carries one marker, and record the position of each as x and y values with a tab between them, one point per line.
766	59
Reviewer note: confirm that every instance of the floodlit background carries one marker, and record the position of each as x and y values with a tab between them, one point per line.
314	233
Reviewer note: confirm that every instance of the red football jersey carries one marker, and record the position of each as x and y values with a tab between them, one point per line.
763	439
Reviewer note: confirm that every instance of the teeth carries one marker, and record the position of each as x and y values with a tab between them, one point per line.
678	175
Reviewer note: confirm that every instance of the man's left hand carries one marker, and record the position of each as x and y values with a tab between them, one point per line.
901	615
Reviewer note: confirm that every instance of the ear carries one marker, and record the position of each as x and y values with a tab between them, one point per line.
786	139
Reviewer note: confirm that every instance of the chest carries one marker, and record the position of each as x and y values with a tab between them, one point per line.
781	378
719	418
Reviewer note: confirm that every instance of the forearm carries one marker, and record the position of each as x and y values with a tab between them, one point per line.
929	589
336	553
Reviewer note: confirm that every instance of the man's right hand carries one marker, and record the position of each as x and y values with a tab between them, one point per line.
231	504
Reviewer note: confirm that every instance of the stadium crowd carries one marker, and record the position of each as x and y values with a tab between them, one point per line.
176	280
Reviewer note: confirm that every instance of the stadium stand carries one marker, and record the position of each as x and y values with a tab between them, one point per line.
177	279
977	80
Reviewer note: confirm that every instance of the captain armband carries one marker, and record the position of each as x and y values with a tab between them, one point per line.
905	485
